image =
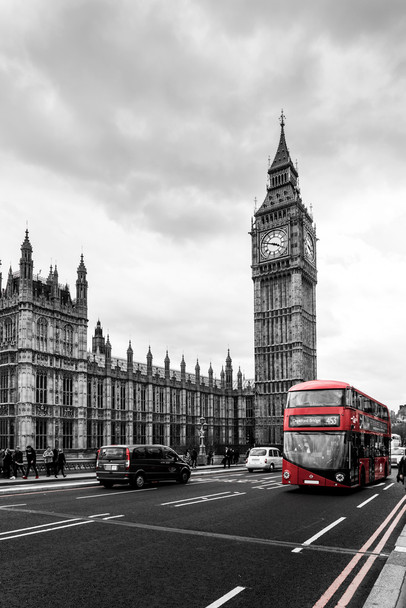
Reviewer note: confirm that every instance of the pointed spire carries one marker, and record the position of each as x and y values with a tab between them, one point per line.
167	363
282	157
149	362
130	361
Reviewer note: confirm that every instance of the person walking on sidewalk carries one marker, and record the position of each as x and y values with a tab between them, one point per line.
55	459
401	470
18	464
7	463
60	463
31	462
48	456
193	462
1	460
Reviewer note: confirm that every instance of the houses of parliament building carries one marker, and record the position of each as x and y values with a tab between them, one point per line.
54	390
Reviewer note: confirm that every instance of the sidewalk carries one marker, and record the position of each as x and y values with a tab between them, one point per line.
389	590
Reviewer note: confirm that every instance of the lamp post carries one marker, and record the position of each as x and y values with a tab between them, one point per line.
201	458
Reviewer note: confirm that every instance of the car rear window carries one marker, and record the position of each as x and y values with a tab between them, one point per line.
113	453
258	452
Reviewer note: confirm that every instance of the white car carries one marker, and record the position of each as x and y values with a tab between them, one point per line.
266	459
396	455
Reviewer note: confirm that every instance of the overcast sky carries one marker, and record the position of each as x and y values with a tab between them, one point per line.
138	133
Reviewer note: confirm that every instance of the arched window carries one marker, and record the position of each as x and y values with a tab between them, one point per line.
9	331
68	340
42	334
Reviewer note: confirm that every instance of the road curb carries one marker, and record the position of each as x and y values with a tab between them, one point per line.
389	590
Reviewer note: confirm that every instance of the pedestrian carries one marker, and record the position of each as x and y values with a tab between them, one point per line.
193	461
31	462
1	460
7	462
60	463
188	458
18	464
236	456
210	457
229	456
55	459
48	457
401	470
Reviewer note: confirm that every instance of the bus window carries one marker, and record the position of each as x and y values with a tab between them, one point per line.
317	398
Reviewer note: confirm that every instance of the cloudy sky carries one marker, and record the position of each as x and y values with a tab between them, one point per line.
138	132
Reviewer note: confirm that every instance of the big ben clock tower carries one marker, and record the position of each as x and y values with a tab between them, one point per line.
285	275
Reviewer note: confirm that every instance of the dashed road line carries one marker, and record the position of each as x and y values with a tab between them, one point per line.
367	501
228	596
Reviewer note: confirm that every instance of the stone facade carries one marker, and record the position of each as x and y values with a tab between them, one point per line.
53	391
284	274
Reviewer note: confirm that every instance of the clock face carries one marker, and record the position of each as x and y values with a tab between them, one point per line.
274	244
309	247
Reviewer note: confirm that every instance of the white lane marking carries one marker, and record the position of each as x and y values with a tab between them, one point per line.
400	549
79	523
173	502
113	516
106	494
316	536
367	501
64	521
99	515
222	600
211	499
21	504
389	486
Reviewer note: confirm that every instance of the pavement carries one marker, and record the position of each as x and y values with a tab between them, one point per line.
389	590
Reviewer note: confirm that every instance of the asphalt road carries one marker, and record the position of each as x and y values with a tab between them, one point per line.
229	539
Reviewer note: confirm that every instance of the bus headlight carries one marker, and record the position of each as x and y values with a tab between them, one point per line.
340	477
286	474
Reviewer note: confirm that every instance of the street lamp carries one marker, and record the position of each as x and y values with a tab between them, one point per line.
201	459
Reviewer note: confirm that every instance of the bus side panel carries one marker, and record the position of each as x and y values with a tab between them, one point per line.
382	468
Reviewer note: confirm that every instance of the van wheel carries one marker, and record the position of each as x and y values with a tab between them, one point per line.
107	484
271	468
184	476
138	481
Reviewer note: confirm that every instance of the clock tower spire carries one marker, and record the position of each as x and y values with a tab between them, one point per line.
284	274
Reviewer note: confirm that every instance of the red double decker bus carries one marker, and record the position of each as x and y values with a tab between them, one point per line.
334	435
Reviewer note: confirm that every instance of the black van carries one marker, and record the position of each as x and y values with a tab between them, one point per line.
139	464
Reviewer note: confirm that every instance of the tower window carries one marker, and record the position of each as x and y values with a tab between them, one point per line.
42	334
67	390
41	388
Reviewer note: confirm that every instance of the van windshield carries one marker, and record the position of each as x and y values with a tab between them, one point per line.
112	453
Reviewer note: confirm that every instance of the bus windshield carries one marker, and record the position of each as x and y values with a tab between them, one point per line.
318	398
321	450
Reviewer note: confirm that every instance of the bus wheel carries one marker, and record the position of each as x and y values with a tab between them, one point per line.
362	478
